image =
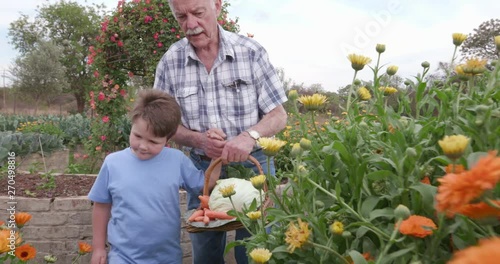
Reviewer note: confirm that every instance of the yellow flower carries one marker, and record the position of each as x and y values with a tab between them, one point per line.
474	66
260	255
458	38
364	94
497	42
255	215
358	62
454	146
297	235
271	146
227	191
459	69
391	70
312	102
258	181
380	48
337	228
387	90
293	95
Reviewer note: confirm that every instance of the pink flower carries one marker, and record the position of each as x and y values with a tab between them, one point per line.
103	137
115	19
91	94
160	44
120	43
172	30
101	96
177	36
112	38
123	92
130	74
165	20
85	156
96	74
155	36
148	19
76	155
105	119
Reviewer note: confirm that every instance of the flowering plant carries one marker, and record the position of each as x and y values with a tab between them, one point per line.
416	181
16	250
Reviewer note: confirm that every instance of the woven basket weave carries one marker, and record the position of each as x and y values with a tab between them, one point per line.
221	225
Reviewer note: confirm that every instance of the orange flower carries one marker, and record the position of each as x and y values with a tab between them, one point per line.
485	253
417	226
22	218
457	190
5	240
25	252
480	210
459	168
84	248
426	180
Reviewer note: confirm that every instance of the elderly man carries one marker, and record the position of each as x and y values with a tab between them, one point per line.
222	81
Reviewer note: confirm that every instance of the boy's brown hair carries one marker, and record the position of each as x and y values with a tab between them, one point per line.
159	110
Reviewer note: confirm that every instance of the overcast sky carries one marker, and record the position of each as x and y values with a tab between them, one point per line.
310	40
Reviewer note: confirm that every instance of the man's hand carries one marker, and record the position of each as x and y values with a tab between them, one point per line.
238	148
214	143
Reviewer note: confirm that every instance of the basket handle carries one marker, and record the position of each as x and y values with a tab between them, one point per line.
212	166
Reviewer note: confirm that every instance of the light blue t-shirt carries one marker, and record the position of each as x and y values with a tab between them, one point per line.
145	225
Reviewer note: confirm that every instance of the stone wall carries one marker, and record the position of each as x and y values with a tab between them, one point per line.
58	224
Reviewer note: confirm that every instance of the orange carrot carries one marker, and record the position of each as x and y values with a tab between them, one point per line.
204	201
218	215
195	214
199	218
206	220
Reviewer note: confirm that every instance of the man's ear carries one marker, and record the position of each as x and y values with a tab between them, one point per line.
218	7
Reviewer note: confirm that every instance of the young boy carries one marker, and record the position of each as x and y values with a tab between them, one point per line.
136	194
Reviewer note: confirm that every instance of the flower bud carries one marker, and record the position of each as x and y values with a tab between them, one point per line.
337	228
411	152
425	64
50	258
305	143
296	150
293	95
319	204
357	82
391	70
380	48
346	234
407	82
402	212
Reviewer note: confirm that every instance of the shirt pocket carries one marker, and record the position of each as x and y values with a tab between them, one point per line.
189	102
241	98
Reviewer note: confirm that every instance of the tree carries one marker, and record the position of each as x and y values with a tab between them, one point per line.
480	43
39	74
71	27
126	51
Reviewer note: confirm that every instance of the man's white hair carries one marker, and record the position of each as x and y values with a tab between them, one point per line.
170	4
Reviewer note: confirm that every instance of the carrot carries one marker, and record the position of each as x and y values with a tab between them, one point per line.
206	220
218	215
204	201
195	214
199	218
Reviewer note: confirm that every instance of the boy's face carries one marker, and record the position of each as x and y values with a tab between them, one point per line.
143	143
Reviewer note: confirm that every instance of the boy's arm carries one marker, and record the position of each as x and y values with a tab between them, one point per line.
100	217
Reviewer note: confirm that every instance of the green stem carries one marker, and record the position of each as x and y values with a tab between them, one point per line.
262	217
389	244
350	92
76	258
451	65
331	251
240	217
316	127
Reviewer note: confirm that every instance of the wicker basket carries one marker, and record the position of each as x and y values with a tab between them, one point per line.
221	225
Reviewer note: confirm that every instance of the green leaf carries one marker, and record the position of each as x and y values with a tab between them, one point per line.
398	254
368	205
428	192
379	175
344	154
356	257
386	212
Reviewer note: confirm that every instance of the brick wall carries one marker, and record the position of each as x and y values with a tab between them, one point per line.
58	224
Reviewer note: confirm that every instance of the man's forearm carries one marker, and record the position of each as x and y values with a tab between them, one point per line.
188	138
272	123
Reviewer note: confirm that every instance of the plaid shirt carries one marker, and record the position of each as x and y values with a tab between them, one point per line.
241	87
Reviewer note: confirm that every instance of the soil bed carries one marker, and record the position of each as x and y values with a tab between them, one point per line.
39	186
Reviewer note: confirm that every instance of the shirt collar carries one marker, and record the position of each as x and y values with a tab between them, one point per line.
225	49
